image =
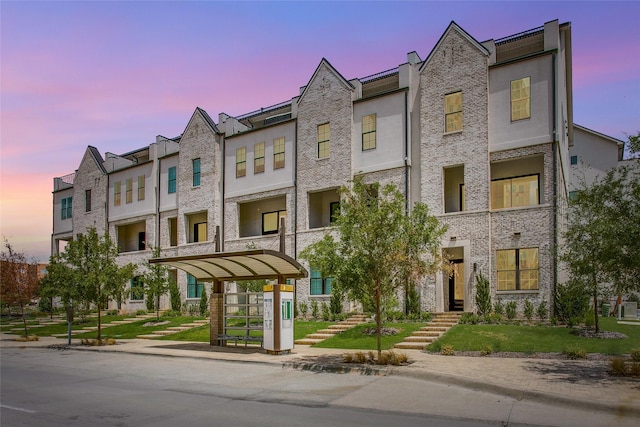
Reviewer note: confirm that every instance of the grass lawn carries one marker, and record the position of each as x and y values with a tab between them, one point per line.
61	328
537	339
132	330
354	338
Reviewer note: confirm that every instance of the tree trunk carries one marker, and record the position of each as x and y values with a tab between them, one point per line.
99	322
24	321
157	308
378	322
595	306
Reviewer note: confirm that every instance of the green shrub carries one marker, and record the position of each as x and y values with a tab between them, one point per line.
304	309
425	316
483	294
635	354
315	310
542	311
44	305
203	307
498	307
447	350
469	319
493	318
528	309
150	301
589	319
618	366
413	300
326	312
634	369
395	316
335	303
570	300
575	353
512	309
141	312
172	313
486	350
174	296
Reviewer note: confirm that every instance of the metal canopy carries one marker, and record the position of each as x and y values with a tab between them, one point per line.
232	266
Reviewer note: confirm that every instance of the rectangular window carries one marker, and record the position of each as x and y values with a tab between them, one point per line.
517	269
520	99
87	200
334	209
369	132
129	190
172	180
196	172
453	112
200	232
462	198
572	195
137	289
515	192
271	221
117	193
67	210
320	286
258	158
141	185
324	135
173	231
194	289
278	153
574	160
241	162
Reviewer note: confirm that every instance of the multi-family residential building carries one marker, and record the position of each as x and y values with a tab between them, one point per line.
481	132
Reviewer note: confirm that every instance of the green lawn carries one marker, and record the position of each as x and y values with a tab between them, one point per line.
354	338
61	328
132	330
537	339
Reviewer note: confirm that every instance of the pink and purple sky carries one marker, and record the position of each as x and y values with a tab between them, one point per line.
116	74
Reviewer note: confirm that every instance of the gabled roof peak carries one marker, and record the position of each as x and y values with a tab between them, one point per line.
453	26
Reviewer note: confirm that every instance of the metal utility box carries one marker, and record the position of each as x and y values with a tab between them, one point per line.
278	318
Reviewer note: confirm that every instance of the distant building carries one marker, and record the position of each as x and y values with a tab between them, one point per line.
481	132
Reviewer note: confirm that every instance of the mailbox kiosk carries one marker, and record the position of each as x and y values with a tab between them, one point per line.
278	318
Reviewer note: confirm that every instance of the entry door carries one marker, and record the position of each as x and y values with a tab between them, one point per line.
456	287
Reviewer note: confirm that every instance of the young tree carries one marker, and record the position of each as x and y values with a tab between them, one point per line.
18	280
156	281
602	248
379	246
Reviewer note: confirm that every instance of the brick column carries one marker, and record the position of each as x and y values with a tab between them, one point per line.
216	321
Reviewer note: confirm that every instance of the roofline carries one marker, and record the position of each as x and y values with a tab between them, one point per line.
455	26
315	73
601	135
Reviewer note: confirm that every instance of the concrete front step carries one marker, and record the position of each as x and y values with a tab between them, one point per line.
414	338
165	332
410	346
147	336
178	328
427	333
307	341
319	336
435	328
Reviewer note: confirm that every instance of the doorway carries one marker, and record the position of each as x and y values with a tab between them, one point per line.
456	286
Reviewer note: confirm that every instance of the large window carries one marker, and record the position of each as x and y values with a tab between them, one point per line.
258	157
87	200
517	269
194	289
453	112
369	132
515	192
200	232
271	221
320	286
196	172
137	289
520	99
173	231
171	184
324	135
117	193
129	190
278	153
141	189
67	210
241	162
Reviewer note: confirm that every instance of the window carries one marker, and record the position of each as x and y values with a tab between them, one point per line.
572	195
196	172
258	157
117	193
200	232
173	231
520	99
194	289
87	200
324	134
241	162
137	289
142	241
515	192
196	227
453	112
67	210
141	184
369	132
334	209
574	160
172	180
271	221
462	198
517	269
320	286
278	153
129	190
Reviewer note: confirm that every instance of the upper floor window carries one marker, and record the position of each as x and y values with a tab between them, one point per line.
324	135
574	160
141	184
196	172
87	200
171	184
258	157
453	112
368	132
271	221
517	269
67	210
520	99
319	285
515	192
117	193
129	190
241	162
278	153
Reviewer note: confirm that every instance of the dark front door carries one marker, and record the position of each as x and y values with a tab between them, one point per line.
456	287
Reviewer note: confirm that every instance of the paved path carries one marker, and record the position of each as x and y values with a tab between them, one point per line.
581	383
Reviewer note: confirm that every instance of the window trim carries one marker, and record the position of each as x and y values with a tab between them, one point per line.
514	101
195	165
66	211
241	162
258	167
321	142
172	175
373	132
87	200
279	155
537	175
117	193
447	114
281	214
141	187
518	270
128	190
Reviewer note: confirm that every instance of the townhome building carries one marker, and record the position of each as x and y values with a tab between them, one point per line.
480	132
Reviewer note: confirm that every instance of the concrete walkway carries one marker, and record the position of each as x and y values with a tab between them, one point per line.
577	383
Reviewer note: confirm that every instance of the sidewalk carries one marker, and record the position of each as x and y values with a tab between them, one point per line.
577	383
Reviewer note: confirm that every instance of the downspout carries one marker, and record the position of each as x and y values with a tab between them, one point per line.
295	206
554	147
222	195
157	189
406	153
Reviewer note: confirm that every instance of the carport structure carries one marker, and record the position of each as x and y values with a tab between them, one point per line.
223	267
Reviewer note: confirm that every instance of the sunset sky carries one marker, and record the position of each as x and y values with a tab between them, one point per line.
116	74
